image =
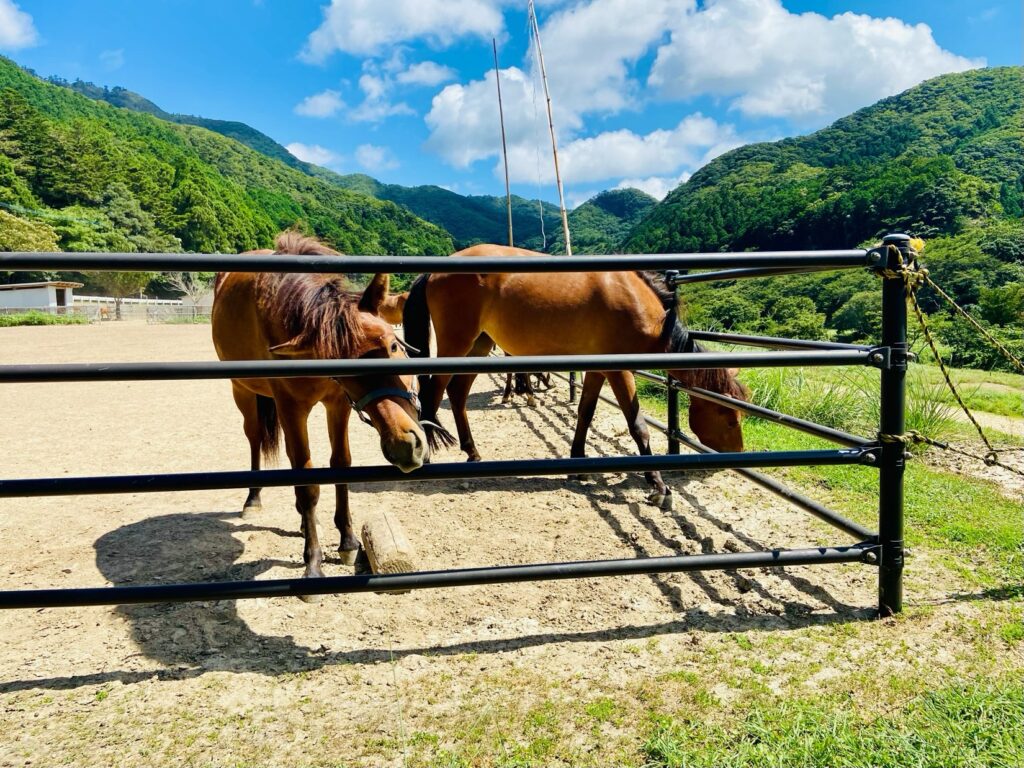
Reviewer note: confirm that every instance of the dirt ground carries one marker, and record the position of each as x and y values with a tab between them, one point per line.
308	683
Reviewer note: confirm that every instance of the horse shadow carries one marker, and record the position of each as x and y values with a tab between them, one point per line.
613	498
184	548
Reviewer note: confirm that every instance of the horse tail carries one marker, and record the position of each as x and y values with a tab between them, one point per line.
416	329
416	318
270	427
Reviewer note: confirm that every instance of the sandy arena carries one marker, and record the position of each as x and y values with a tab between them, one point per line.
314	683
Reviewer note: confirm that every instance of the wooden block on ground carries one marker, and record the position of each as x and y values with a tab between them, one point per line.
387	547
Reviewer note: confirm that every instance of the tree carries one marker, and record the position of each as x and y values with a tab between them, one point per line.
193	285
120	285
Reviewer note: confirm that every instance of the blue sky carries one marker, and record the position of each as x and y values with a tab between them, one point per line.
644	92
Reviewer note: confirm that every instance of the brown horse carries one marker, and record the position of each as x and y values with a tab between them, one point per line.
561	314
261	316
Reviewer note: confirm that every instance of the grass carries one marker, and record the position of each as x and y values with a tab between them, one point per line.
965	724
41	318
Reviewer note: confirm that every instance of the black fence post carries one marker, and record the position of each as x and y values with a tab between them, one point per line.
673	416
895	258
572	386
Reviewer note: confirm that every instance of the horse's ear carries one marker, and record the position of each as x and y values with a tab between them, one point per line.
291	348
375	294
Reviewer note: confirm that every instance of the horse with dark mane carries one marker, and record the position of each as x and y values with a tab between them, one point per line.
265	316
563	314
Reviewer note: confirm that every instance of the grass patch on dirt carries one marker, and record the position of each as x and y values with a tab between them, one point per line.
965	724
41	318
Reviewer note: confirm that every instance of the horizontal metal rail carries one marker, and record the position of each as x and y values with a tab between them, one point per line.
809	427
737	274
260	369
205	481
510	574
823	513
772	342
820	511
198	262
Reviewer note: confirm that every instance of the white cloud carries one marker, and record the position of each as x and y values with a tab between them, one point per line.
16	27
623	153
376	105
313	153
365	27
112	59
590	47
655	186
374	158
322	104
804	66
426	73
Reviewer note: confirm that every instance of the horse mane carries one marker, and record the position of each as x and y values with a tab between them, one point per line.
678	340
320	312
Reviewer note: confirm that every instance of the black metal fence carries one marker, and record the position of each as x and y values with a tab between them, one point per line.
883	549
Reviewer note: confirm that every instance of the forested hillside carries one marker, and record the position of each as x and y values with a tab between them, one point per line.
79	174
603	222
942	161
470	219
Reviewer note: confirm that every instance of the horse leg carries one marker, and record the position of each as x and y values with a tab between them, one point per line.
624	386
296	440
458	394
246	402
338	414
592	384
506	397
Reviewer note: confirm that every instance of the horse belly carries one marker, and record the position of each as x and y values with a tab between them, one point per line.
562	314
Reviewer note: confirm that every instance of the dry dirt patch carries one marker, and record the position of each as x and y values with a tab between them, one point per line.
283	679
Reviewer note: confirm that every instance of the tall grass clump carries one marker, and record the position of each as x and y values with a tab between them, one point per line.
850	400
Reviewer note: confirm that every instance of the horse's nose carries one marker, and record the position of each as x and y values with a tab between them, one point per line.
407	452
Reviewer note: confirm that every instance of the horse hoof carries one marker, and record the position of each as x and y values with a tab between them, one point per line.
506	400
311	599
668	503
581	478
532	402
250	510
657	499
348	556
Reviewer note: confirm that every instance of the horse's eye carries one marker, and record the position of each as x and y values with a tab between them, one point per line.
394	346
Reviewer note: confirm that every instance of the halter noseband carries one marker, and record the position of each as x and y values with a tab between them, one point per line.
406	394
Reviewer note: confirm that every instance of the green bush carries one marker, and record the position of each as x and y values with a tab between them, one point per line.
34	317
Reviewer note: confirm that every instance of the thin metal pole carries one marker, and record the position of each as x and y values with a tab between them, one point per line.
572	386
258	369
277	478
770	342
551	126
504	146
673	419
893	422
735	274
239	590
470	265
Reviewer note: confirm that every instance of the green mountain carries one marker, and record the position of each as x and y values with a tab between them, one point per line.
603	222
470	219
240	132
941	161
84	175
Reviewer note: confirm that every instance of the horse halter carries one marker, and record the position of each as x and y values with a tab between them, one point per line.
407	394
377	394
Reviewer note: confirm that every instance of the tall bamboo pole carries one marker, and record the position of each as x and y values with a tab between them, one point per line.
551	126
504	146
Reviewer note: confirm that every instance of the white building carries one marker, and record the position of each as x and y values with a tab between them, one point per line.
50	296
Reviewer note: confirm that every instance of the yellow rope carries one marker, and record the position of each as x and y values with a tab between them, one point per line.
914	277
